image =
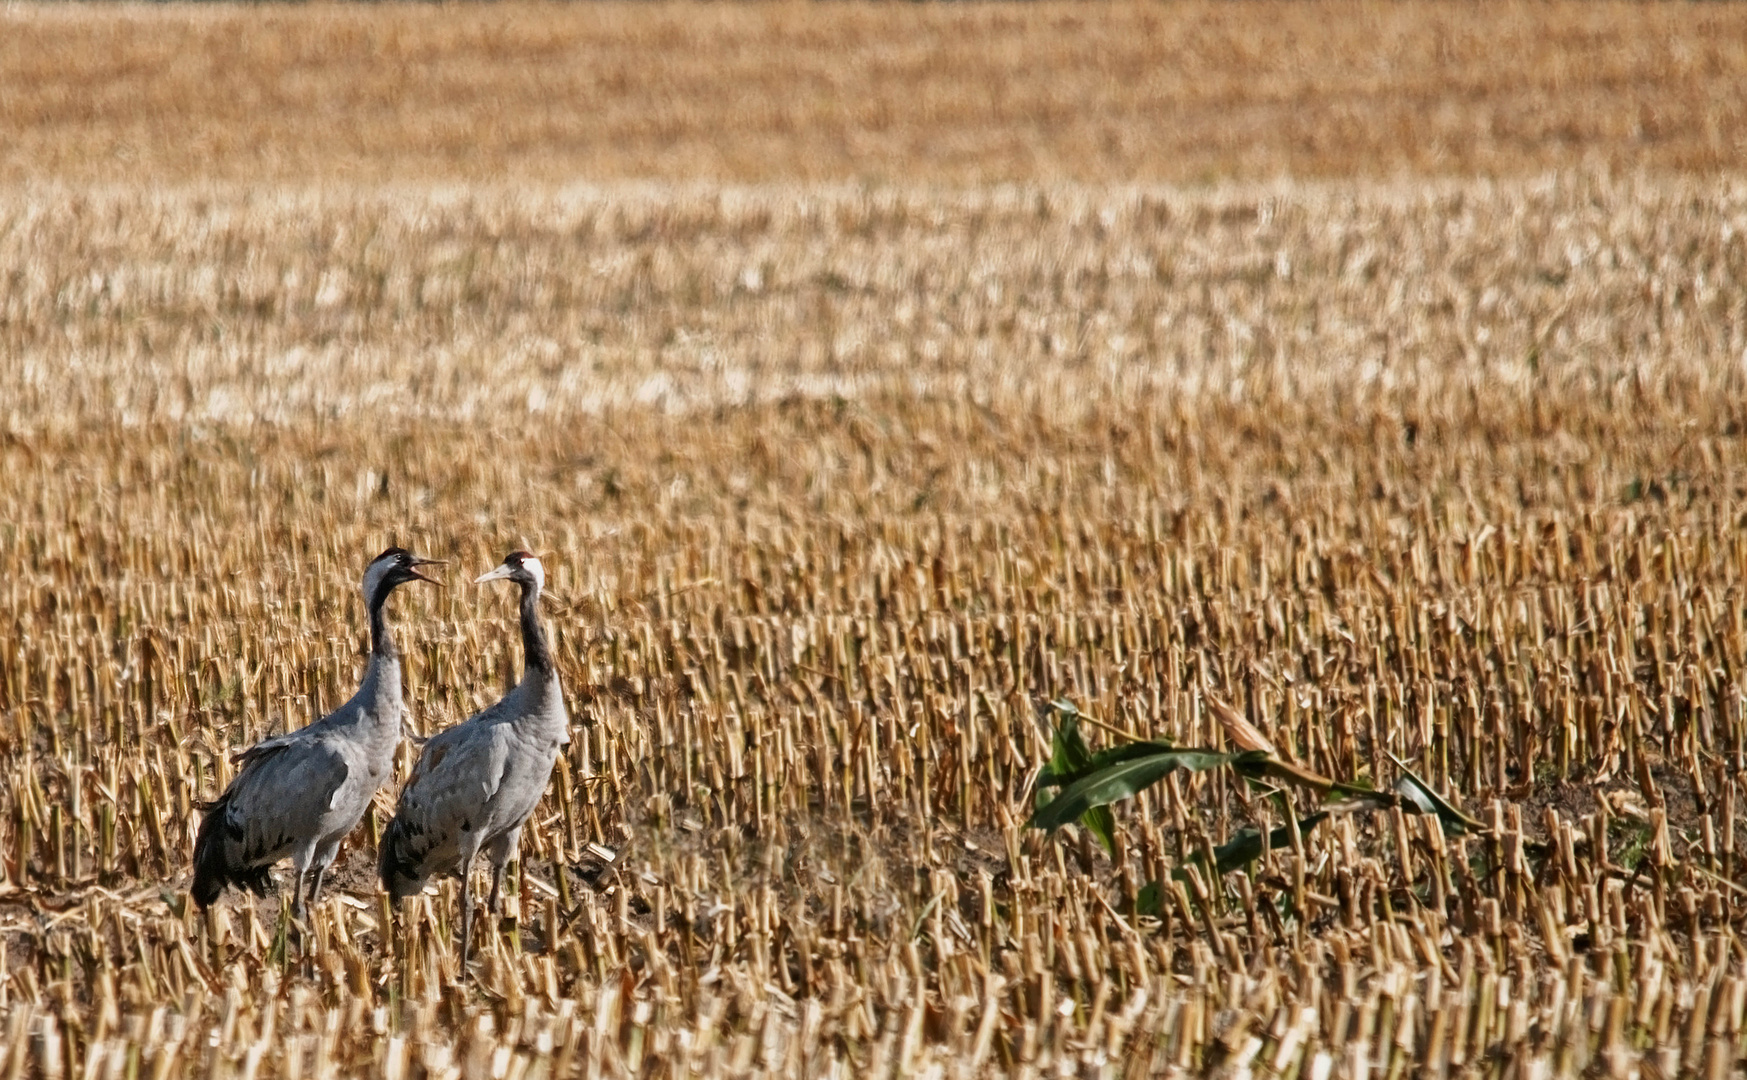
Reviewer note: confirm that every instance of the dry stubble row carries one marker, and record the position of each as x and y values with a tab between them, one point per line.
959	94
832	486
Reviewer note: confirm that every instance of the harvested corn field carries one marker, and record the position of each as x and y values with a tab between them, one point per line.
878	518
831	498
967	94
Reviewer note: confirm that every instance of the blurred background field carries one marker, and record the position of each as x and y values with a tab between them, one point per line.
883	94
864	374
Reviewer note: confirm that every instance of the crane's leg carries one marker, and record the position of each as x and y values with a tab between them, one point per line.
315	877
500	851
469	849
324	858
466	920
300	861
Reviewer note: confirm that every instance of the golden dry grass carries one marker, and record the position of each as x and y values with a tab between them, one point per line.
833	485
835	479
961	94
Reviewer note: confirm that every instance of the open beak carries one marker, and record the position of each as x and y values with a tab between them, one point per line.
418	561
497	573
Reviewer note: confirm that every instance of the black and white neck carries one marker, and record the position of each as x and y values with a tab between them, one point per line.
536	652
525	570
389	570
381	635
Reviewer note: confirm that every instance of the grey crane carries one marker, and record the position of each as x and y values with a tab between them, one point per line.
475	784
299	794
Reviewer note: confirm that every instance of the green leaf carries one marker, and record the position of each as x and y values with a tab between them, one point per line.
1123	780
1246	845
1103	825
1637	845
1069	756
1427	801
1103	759
1150	900
1069	760
1352	802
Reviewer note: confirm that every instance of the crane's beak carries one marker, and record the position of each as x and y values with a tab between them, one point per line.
497	573
421	561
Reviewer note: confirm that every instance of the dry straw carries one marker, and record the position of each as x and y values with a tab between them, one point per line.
835	481
1446	476
960	94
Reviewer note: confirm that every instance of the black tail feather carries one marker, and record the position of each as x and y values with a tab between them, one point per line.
397	863
213	873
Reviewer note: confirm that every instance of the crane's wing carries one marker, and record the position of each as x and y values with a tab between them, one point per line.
447	796
279	801
458	773
268	747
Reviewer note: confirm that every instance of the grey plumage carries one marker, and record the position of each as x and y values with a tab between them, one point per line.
475	784
299	794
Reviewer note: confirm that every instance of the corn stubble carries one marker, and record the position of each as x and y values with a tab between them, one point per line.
833	486
960	94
